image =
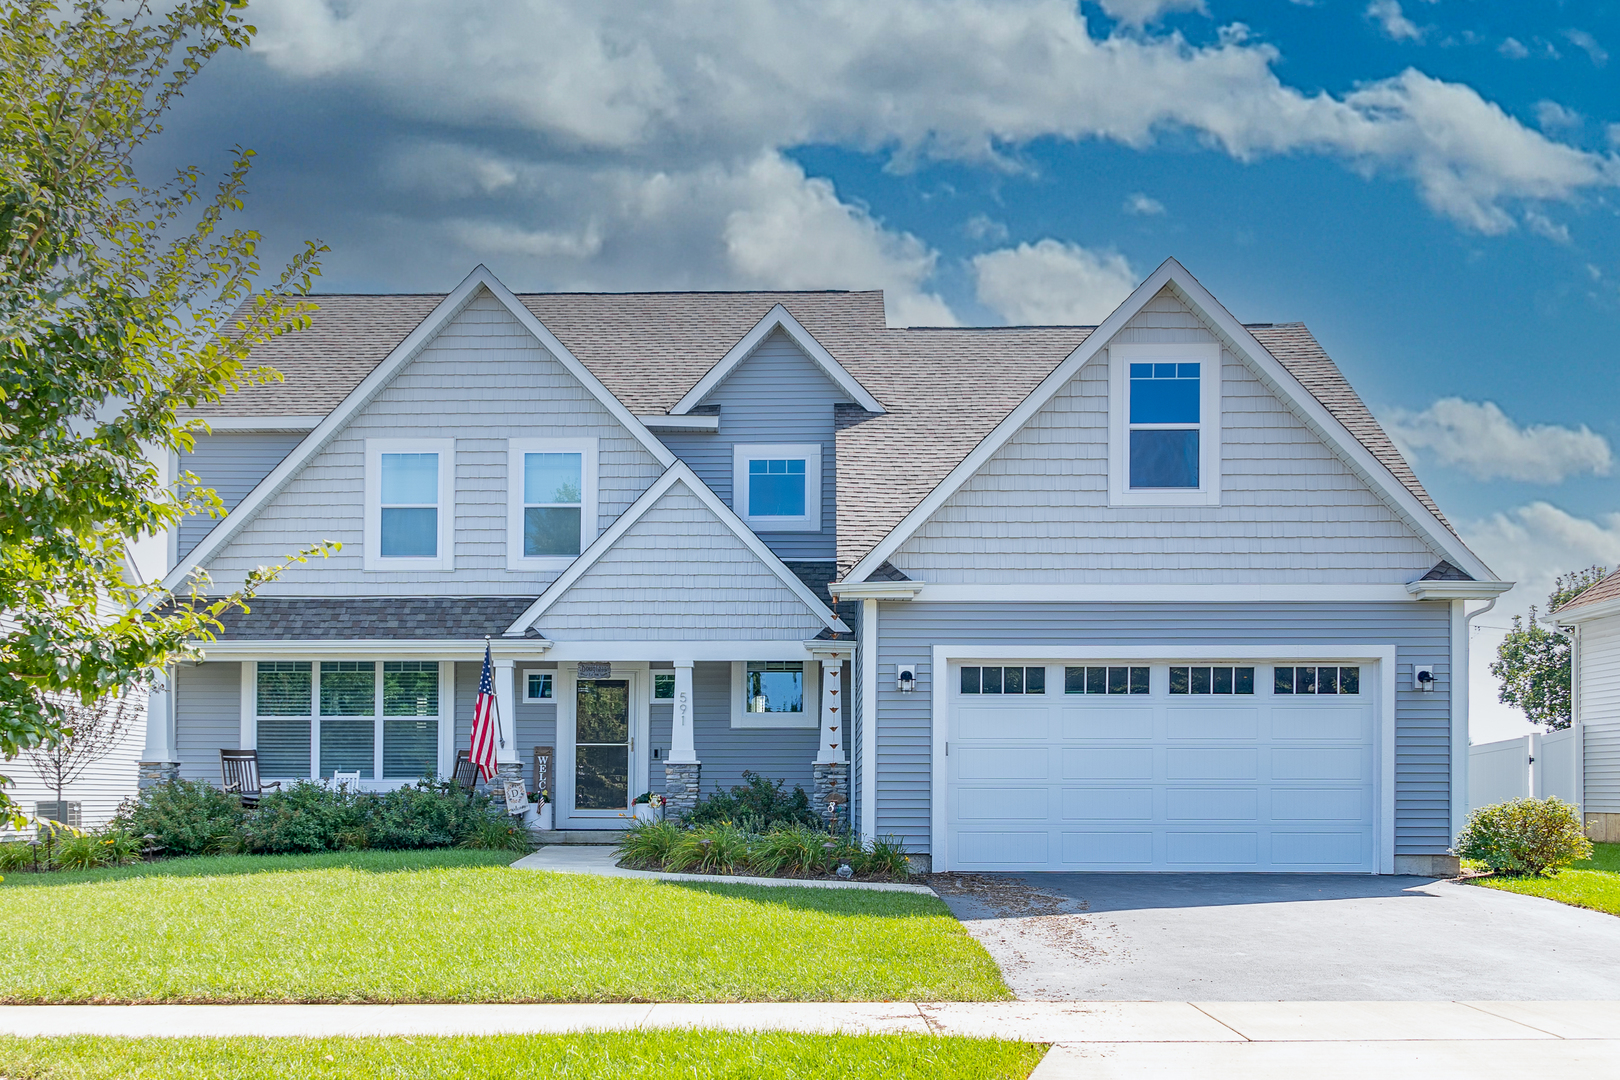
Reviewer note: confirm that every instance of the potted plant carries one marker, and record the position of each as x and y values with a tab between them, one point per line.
649	807
538	815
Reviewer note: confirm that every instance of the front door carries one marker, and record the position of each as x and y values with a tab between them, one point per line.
602	745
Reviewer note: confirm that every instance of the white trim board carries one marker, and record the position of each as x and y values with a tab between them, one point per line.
520	650
228	424
373	384
678	472
1266	367
1128	592
778	318
1382	655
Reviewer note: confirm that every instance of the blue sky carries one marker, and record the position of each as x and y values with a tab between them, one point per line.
1432	186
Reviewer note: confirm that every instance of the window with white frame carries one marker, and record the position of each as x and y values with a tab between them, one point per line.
1165	420
777	488
410	504
380	719
551	492
537	687
774	694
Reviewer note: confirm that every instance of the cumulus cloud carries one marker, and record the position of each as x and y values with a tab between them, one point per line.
1477	437
1588	45
1552	116
1142	12
1388	15
1139	203
984	227
1052	282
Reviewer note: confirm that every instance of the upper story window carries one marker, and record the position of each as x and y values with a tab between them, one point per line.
777	488
552	502
410	504
1165	412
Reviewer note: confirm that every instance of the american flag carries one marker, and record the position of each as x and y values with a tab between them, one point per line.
482	751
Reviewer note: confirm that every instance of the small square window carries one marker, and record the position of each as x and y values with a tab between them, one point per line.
663	686
777	488
774	686
537	686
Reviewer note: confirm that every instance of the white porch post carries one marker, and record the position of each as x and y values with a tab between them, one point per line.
683	746
506	757
830	770
160	761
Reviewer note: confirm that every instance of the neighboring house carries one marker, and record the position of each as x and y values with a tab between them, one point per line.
1594	616
1152	595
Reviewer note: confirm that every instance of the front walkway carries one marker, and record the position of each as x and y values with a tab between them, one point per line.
600	860
1254	1040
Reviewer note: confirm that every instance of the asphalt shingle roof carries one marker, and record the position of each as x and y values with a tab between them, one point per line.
944	389
1607	589
368	618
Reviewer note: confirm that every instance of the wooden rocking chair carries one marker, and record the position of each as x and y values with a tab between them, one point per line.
239	769
466	775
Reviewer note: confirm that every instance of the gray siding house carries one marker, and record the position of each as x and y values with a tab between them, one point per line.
1157	594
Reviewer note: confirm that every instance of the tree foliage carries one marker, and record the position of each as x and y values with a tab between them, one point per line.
1533	662
122	306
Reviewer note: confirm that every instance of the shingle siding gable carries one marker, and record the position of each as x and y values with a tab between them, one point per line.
482	381
678	573
1291	511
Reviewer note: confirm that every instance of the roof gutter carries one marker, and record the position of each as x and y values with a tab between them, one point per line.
1458	590
876	590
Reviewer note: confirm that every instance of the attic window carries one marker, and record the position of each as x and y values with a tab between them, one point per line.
1165	424
777	488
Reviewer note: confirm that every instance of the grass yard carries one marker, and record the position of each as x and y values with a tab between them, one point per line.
1594	883
623	1055
461	926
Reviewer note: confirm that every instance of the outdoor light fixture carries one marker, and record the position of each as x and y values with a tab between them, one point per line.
1423	678
908	678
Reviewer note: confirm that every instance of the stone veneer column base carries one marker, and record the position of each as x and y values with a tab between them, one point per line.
1428	865
151	773
831	795
681	787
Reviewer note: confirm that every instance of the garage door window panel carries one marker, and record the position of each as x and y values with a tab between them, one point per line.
1004	680
1316	679
1106	680
1214	679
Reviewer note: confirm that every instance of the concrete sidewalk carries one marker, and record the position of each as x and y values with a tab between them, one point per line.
601	861
1114	1039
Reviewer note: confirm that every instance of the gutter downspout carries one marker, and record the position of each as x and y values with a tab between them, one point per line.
1461	641
868	643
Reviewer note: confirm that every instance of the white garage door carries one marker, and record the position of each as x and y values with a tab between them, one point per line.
1176	765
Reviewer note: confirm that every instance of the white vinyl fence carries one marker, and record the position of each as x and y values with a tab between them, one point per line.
1539	765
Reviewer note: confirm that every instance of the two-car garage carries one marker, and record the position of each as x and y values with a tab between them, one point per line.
1161	765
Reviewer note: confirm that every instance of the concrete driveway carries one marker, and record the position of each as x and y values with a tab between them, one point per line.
1260	937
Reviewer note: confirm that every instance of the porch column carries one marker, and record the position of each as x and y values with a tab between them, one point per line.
507	763
160	762
682	769
830	770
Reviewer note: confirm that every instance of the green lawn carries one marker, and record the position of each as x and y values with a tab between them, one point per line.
449	926
1594	883
622	1055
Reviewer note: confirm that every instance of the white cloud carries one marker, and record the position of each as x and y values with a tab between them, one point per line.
984	227
1589	45
1484	442
1139	203
1513	49
1395	24
1552	116
1052	282
1530	545
1542	225
1142	12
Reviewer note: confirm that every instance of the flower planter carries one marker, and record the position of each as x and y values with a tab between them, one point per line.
645	812
538	816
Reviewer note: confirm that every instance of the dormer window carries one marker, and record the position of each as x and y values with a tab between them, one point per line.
1164	408
777	488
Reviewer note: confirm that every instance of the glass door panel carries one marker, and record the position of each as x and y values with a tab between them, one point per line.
602	744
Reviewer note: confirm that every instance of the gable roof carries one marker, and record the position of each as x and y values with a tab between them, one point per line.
943	390
1418	513
1600	592
777	318
380	376
681	473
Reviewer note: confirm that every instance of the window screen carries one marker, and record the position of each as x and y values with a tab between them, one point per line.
410	748
283	748
348	745
1104	679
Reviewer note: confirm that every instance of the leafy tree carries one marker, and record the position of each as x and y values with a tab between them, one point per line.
122	305
94	732
1533	662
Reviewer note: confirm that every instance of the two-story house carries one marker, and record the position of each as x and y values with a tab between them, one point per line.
1157	594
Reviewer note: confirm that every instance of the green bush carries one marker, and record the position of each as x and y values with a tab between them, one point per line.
15	855
649	843
495	832
188	817
796	849
84	851
756	805
711	849
304	817
422	816
1525	836
886	858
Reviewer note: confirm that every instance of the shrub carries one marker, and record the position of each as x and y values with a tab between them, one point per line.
188	817
757	805
15	855
84	851
304	817
886	858
492	832
796	849
649	843
712	849
122	848
1524	836
422	816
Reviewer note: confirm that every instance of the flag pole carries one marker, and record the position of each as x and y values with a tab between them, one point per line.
500	732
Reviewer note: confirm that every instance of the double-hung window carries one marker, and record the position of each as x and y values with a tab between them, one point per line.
410	504
378	718
777	488
551	492
1165	407
773	694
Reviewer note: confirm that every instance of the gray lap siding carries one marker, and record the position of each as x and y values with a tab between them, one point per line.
1420	632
